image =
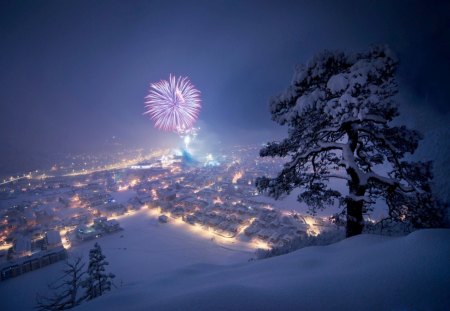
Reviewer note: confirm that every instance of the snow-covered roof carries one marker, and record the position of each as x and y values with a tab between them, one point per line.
53	237
112	223
22	245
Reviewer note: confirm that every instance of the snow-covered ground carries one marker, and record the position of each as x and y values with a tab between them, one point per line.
166	267
122	197
366	272
147	249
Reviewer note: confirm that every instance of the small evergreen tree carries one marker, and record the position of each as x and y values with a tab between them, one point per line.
98	281
338	110
69	296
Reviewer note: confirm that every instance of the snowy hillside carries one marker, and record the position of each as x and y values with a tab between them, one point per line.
144	249
360	273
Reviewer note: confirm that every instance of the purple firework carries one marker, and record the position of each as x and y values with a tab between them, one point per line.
173	104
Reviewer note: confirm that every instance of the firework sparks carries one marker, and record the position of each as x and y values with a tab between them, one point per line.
173	104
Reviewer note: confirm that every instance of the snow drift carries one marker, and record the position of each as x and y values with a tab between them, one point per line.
359	273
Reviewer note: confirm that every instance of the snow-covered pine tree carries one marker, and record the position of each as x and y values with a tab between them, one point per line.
98	281
338	110
66	291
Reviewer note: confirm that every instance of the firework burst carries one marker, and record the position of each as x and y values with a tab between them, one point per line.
173	104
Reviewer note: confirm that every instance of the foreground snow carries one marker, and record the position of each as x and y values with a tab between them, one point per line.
364	272
143	250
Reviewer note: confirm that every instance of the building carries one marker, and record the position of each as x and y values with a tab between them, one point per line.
111	226
21	248
53	239
85	233
101	224
25	264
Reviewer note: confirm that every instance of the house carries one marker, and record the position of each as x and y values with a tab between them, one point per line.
84	233
111	226
98	222
163	218
178	212
22	247
53	239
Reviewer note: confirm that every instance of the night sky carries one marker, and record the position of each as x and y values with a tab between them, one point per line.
75	73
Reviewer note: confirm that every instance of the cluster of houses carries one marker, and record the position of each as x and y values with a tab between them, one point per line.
29	254
277	229
216	197
220	198
100	227
231	216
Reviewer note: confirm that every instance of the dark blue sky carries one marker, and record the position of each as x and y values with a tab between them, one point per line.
75	73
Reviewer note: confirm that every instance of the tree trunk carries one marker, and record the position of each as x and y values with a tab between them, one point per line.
355	222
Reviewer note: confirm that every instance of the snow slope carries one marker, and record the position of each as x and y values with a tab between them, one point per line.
366	272
145	249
